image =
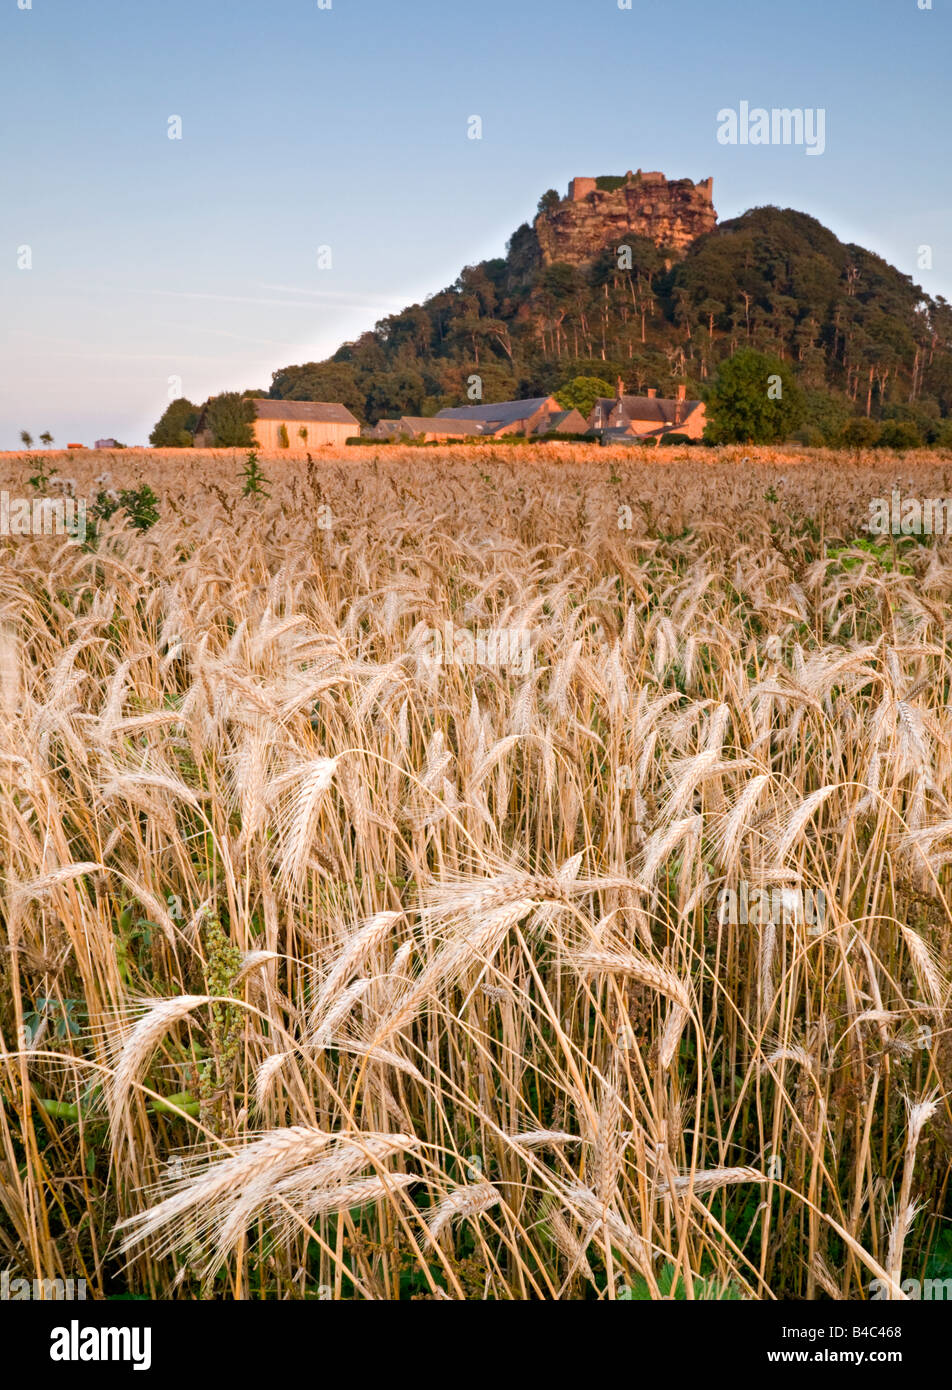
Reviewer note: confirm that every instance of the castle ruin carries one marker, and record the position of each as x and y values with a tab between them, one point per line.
597	213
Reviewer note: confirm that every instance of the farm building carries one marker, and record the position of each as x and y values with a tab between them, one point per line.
562	422
506	417
427	428
435	427
650	416
302	425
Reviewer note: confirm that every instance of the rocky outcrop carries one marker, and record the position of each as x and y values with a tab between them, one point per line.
671	213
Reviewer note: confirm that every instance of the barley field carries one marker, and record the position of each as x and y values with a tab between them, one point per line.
353	952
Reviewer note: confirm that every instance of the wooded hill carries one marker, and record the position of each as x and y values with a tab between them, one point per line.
862	338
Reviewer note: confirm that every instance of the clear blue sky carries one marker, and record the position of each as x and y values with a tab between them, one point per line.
347	127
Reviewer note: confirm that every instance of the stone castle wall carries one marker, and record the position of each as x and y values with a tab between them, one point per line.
671	213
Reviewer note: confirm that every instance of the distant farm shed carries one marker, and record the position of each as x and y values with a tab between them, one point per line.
301	425
505	417
427	429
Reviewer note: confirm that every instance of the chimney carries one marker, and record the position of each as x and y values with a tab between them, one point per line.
682	393
621	388
652	392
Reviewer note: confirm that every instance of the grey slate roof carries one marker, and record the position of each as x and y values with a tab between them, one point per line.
327	412
502	413
440	424
558	418
661	409
425	424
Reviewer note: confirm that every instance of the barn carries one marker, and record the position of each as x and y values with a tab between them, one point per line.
427	429
301	425
505	417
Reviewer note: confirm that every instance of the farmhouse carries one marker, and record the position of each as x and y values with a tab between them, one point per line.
651	416
302	425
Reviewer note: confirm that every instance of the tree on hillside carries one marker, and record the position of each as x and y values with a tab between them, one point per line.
754	400
336	381
496	383
409	331
395	393
26	439
582	392
176	427
364	354
46	439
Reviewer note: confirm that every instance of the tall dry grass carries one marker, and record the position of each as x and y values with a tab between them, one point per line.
330	970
